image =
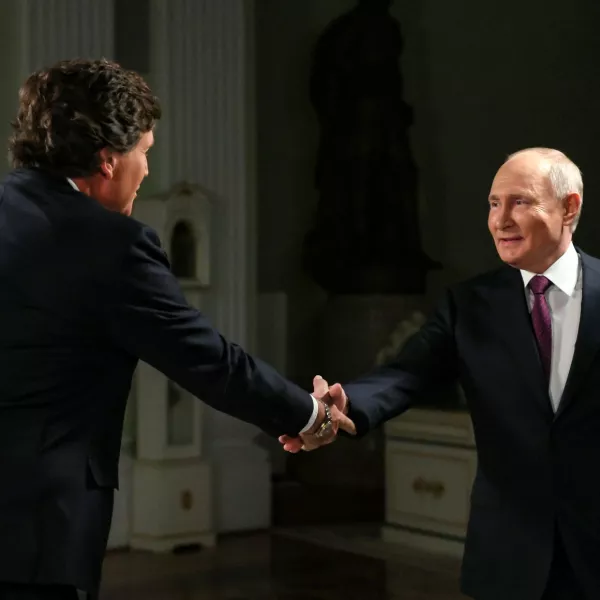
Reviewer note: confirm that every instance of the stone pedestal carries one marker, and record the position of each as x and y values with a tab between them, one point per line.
172	505
352	331
170	467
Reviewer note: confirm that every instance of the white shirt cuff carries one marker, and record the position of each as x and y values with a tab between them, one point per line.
313	417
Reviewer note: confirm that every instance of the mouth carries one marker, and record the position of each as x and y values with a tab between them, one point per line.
508	241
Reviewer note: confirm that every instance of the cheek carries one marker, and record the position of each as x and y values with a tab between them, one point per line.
542	230
133	178
143	168
139	174
492	221
525	222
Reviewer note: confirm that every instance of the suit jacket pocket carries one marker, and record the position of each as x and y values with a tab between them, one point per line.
103	472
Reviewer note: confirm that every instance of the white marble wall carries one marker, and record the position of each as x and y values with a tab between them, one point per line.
203	72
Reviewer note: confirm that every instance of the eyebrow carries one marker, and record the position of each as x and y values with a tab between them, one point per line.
511	196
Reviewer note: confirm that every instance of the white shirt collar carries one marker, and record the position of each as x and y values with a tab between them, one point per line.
72	183
564	273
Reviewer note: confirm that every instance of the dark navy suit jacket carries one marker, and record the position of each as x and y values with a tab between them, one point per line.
537	470
84	294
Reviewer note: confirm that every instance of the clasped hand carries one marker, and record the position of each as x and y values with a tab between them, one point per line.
337	401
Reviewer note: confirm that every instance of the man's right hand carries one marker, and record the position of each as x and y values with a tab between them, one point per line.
336	399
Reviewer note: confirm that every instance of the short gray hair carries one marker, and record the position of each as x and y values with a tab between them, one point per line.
563	174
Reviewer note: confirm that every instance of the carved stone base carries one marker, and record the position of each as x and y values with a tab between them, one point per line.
422	541
242	484
352	330
165	544
172	505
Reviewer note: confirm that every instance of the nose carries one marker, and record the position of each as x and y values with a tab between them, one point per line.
504	217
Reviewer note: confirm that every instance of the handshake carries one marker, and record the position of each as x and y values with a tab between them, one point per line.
332	416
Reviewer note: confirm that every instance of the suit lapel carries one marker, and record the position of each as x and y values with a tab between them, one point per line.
511	322
588	337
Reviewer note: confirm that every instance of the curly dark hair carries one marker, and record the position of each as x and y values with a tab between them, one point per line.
72	110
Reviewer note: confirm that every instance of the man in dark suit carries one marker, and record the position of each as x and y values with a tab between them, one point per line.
524	342
85	292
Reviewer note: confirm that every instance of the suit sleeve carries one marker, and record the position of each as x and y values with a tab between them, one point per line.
427	361
150	318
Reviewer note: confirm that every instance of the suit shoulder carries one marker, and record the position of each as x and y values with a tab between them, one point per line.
590	261
482	281
488	277
124	230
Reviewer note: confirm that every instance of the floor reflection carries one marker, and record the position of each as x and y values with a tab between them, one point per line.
266	567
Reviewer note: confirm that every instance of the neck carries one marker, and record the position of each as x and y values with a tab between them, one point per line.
83	185
550	260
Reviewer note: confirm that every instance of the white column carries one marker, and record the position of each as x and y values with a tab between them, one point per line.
53	30
203	72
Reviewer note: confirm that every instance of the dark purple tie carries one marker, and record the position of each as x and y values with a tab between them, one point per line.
542	320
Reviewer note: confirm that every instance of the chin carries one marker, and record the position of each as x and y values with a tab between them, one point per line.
515	264
514	260
127	209
510	261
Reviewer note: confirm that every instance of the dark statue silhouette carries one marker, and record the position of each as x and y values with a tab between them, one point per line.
366	235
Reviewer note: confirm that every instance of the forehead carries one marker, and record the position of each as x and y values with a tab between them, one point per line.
522	174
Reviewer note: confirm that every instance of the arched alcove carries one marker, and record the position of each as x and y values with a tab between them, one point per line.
183	251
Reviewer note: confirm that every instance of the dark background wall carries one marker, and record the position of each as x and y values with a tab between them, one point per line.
484	79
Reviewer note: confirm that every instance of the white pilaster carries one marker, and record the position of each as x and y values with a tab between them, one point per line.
203	72
53	30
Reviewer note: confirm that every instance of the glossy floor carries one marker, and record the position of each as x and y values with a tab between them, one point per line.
275	566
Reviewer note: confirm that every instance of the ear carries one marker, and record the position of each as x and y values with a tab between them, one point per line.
108	163
571	206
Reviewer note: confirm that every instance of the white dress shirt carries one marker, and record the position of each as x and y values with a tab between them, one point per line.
564	300
313	417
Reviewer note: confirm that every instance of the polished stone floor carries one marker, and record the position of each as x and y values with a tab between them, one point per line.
269	566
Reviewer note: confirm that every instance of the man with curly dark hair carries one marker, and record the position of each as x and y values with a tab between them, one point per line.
85	292
89	121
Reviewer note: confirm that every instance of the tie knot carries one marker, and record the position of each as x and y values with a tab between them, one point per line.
539	284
